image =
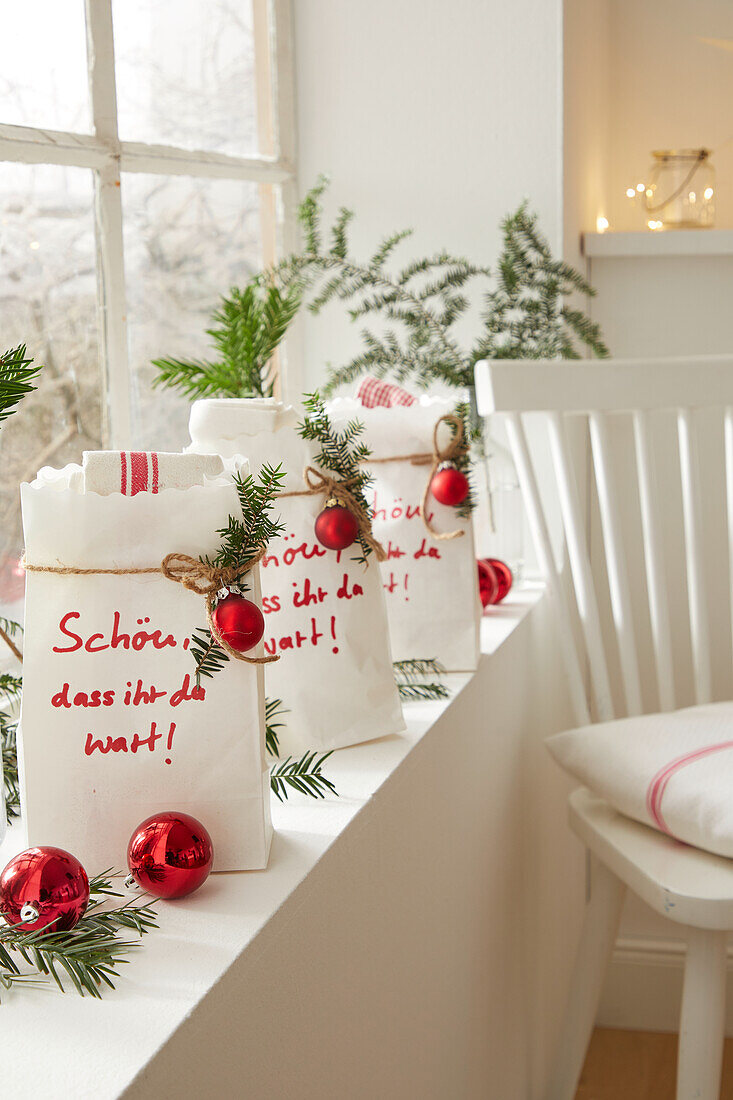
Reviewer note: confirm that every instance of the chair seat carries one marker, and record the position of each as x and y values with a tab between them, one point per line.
683	883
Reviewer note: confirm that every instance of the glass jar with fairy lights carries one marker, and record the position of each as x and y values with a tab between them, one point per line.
680	190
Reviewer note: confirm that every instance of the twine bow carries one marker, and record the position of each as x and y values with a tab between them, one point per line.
206	580
341	492
456	448
453	450
196	576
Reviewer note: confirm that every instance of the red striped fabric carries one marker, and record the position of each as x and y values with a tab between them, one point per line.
657	787
139	472
374	391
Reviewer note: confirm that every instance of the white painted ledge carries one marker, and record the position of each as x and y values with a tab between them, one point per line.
89	1048
673	242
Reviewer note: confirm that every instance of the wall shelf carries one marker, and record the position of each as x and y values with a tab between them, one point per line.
679	242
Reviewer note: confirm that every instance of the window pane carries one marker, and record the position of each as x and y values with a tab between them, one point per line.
185	73
187	241
47	301
43	66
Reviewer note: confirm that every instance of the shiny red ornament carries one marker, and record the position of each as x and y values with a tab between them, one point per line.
239	622
449	485
336	527
503	575
488	583
170	854
42	887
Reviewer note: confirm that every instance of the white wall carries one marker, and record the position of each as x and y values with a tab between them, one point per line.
436	114
671	88
426	955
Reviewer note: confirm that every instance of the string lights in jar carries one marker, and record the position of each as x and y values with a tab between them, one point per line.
679	192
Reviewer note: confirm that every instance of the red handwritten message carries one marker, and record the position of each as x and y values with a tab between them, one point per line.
76	635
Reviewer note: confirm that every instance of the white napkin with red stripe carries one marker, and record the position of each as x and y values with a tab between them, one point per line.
671	771
131	472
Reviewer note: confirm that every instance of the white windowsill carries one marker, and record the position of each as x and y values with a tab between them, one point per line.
89	1047
673	242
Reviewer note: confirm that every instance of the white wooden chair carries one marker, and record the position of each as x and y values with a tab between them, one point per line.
688	886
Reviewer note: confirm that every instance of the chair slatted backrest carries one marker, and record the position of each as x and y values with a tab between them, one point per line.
601	392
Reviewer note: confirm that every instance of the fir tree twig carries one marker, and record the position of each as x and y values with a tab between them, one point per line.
411	677
242	540
248	327
341	454
16	379
273	709
303	775
89	955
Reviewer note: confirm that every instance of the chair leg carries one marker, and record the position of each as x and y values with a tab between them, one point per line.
600	926
702	1025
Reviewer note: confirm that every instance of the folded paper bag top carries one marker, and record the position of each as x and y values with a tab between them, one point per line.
112	728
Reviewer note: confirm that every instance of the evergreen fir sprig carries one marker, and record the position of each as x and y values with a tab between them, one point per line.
242	540
9	747
208	654
411	677
16	378
525	316
10	627
419	303
273	709
247	328
341	454
89	955
304	775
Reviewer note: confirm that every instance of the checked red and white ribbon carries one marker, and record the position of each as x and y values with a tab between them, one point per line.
375	392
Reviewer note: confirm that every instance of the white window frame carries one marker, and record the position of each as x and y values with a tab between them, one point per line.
108	157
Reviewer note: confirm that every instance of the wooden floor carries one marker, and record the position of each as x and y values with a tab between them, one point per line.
638	1065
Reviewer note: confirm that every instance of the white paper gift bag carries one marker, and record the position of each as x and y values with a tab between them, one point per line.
324	612
430	584
113	726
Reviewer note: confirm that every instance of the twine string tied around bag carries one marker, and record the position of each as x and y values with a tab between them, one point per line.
452	451
342	492
194	575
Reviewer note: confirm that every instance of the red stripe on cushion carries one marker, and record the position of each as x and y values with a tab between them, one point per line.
154	462
658	785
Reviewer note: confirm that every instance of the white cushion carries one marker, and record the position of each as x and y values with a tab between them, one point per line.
671	771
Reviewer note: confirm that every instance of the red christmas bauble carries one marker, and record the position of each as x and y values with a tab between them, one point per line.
42	887
449	485
336	527
239	622
488	582
170	854
503	575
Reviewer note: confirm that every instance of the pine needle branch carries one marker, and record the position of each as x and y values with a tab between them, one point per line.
88	956
247	328
8	745
304	776
273	709
16	379
340	453
411	677
242	540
